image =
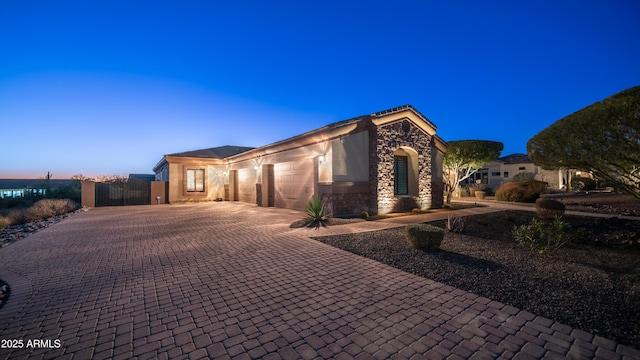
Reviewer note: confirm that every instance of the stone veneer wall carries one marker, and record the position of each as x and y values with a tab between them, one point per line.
345	198
437	194
386	140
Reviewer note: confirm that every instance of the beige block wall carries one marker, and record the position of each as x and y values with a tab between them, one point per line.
88	196
350	157
159	189
214	182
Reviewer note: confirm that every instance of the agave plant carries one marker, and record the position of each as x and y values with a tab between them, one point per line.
317	212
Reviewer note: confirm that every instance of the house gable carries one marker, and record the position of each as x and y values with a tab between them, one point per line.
403	135
406	112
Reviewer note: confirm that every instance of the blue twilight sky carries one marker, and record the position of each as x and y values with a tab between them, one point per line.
108	87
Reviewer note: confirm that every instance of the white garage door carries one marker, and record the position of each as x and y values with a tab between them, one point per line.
247	185
293	184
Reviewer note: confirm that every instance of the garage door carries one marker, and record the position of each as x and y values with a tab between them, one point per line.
293	184
247	185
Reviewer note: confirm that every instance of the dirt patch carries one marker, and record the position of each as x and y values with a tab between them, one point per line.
587	286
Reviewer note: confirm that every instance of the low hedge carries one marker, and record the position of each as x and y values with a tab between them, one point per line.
424	236
528	191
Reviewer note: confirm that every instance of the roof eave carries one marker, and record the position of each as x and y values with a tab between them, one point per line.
325	133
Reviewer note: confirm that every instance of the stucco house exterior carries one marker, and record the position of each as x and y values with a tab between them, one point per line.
502	170
383	162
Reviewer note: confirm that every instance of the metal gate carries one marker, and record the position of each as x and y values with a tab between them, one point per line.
121	193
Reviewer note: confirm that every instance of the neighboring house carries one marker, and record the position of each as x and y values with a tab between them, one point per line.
383	162
15	188
502	170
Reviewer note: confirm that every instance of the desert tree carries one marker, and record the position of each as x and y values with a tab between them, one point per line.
80	177
464	157
603	138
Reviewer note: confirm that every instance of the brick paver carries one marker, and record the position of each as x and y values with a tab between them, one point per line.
232	280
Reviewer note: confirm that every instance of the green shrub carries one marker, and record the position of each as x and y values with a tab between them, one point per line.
424	236
549	209
523	177
528	191
583	184
317	212
534	188
511	192
544	237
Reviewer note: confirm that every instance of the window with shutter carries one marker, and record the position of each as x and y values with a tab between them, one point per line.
401	175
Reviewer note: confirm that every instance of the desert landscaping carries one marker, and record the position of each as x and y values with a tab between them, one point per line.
592	283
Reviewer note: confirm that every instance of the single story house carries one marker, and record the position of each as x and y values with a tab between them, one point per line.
380	163
16	188
502	170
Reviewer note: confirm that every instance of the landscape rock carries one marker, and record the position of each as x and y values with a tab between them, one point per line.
14	233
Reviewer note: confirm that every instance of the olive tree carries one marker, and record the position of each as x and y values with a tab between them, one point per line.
603	138
464	157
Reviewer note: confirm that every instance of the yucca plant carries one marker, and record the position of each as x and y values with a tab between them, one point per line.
317	212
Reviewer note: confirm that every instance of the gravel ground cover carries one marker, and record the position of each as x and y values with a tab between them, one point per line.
587	286
15	233
600	202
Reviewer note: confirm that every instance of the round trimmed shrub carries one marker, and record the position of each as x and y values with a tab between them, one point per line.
424	236
549	209
533	189
528	191
583	184
511	192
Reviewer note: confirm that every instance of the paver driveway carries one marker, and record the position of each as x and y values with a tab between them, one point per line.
233	281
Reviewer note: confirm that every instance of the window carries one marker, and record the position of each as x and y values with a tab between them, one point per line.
401	175
506	174
522	168
195	180
496	173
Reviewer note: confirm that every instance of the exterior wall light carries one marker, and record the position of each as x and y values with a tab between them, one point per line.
321	158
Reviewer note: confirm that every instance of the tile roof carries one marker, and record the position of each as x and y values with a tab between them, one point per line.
142	177
219	152
515	159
